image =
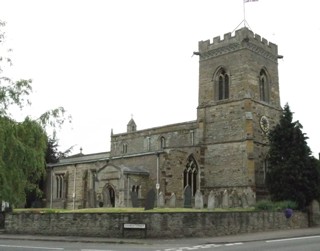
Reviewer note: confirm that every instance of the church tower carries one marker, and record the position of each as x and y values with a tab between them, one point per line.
238	103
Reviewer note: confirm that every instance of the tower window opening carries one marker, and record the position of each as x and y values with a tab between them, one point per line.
263	86
222	86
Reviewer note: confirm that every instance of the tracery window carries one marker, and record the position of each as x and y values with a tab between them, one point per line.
190	174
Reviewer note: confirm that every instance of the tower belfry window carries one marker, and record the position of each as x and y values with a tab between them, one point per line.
263	86
222	84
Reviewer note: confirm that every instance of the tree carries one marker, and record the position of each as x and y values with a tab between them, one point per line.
23	145
53	154
293	174
35	195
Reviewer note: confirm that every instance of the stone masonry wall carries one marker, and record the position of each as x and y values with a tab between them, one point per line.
159	225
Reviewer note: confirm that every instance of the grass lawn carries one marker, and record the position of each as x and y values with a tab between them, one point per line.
128	210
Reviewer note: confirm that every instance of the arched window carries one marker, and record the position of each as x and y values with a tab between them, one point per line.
263	86
190	174
222	85
136	189
60	183
162	142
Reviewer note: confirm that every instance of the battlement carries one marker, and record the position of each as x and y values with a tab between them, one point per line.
243	35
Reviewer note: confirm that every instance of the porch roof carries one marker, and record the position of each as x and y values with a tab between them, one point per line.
138	170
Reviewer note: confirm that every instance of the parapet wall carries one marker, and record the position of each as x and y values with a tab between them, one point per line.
241	39
159	225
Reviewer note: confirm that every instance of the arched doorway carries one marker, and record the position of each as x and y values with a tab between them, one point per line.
109	197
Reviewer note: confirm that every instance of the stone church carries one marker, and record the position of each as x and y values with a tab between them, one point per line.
223	151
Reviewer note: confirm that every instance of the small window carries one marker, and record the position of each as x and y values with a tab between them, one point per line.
192	137
148	143
162	143
124	148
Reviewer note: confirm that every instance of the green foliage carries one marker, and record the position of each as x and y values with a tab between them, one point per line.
269	205
22	154
292	173
53	154
264	205
23	145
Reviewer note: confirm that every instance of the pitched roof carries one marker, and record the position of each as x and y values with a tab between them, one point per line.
81	158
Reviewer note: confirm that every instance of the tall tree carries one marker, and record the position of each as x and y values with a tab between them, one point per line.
23	145
293	174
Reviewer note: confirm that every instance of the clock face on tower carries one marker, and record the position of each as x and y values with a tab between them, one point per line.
264	124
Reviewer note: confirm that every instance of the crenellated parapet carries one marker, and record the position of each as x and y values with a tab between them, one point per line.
243	38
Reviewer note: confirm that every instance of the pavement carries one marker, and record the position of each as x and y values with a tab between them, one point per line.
248	237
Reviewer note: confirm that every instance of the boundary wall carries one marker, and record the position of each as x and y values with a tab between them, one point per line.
159	225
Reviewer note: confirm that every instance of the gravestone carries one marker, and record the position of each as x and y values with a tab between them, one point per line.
219	196
161	200
106	198
234	199
151	196
211	200
91	198
187	197
134	199
198	200
172	201
244	201
251	198
314	213
225	199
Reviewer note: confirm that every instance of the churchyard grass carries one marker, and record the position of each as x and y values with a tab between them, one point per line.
129	210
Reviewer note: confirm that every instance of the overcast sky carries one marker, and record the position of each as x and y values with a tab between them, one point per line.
107	60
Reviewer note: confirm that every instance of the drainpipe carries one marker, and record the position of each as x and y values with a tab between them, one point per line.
74	186
199	175
158	185
128	191
51	187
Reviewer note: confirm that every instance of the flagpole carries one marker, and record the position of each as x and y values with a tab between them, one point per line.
244	13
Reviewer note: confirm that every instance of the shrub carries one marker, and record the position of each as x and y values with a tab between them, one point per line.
275	206
264	205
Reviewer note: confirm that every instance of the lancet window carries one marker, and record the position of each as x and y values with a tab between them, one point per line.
264	86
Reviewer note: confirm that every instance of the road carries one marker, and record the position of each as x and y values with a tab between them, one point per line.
310	243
